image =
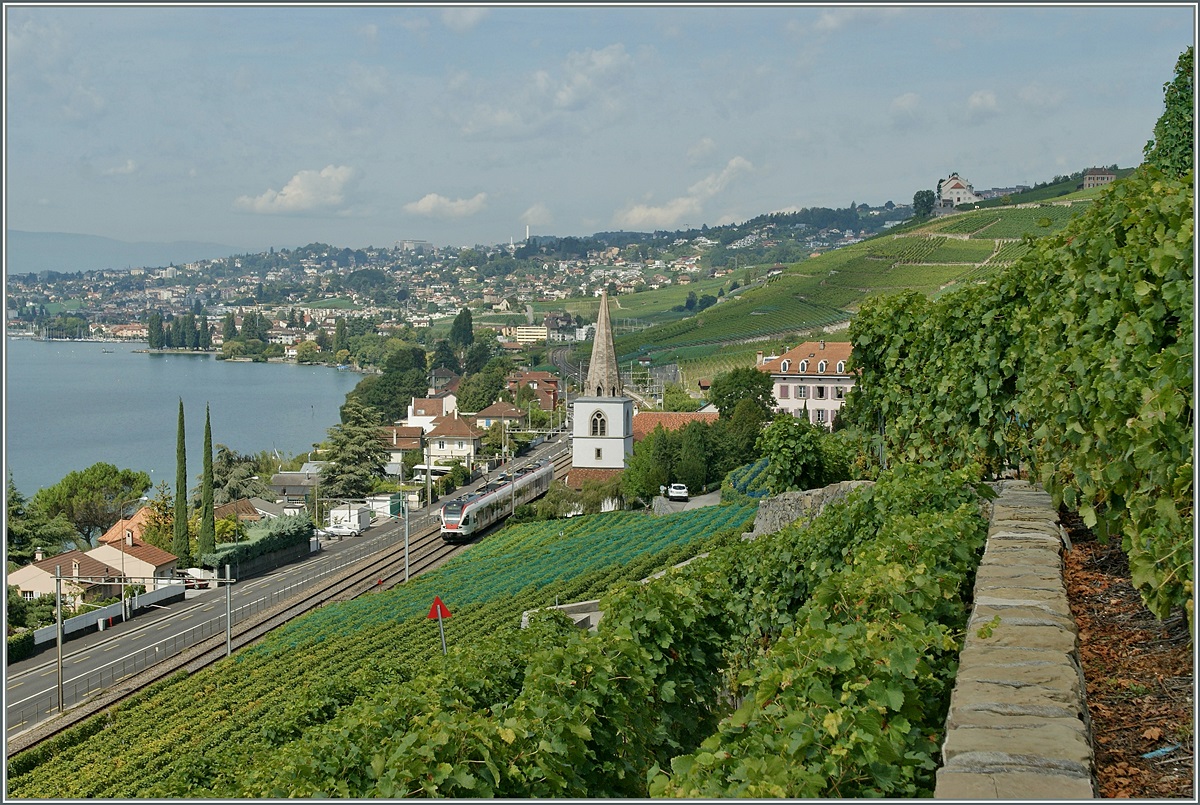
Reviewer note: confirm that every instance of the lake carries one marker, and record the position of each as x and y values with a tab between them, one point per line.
70	404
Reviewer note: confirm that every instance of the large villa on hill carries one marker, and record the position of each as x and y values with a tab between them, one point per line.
810	381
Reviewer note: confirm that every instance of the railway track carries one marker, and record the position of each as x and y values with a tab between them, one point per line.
382	570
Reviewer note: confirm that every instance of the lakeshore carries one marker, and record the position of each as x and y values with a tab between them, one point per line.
70	404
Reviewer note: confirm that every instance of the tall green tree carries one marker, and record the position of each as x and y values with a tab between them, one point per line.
207	539
237	476
91	500
229	329
155	335
462	332
357	456
923	203
1173	148
444	357
742	383
29	529
341	338
695	452
179	544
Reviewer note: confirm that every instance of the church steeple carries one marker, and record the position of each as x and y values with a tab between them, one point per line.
603	379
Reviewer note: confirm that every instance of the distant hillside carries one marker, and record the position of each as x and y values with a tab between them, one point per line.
818	296
34	252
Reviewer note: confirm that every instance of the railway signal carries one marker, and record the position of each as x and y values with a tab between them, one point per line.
439	611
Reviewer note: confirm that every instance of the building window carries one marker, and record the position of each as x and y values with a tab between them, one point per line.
839	392
821	366
29	595
803	367
597	453
801	392
820	392
783	367
783	392
599	424
441	445
841	367
820	414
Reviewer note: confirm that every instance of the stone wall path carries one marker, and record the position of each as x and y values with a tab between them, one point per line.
1018	725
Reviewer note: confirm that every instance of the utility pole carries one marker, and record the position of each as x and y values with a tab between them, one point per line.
58	628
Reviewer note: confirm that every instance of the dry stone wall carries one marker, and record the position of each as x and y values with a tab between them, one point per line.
1018	725
780	511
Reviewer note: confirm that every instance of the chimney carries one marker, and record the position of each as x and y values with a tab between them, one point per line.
822	343
75	568
39	554
129	537
758	358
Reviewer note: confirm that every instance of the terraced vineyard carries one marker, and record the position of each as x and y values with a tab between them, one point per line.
301	676
962	251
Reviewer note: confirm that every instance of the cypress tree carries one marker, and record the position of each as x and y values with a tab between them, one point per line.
179	545
207	540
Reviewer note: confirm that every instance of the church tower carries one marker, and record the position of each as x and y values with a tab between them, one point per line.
603	417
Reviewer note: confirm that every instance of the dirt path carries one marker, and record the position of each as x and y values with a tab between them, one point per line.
1139	673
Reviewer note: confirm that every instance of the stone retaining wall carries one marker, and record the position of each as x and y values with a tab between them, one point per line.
1018	724
780	511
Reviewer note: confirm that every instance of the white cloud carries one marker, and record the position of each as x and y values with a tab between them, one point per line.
307	190
370	33
438	206
537	215
461	20
981	106
905	109
585	93
121	170
589	73
1040	98
692	204
701	149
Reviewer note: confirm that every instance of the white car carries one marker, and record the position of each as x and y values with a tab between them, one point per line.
677	492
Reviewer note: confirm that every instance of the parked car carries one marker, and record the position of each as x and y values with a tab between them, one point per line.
189	581
677	492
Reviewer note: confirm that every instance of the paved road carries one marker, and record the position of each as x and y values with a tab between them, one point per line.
694	502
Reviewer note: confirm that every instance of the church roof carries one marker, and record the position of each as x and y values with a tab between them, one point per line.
603	379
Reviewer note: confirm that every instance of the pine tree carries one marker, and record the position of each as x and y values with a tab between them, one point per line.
206	543
357	457
179	545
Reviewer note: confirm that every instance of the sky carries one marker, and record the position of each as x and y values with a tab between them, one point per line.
368	125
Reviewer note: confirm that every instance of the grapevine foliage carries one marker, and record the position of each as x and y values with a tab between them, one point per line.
1075	363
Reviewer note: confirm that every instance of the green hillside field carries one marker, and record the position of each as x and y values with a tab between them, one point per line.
816	297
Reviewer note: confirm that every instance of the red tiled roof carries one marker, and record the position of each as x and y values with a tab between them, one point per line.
445	426
88	566
241	509
577	475
401	437
814	353
501	409
646	421
428	406
136	524
146	552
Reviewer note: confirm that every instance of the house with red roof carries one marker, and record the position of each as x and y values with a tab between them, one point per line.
81	578
811	380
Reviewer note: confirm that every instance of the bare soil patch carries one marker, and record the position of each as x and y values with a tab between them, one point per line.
1139	673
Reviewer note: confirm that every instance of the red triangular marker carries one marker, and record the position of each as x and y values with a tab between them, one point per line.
438	610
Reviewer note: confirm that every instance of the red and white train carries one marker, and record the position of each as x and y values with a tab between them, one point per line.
468	515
